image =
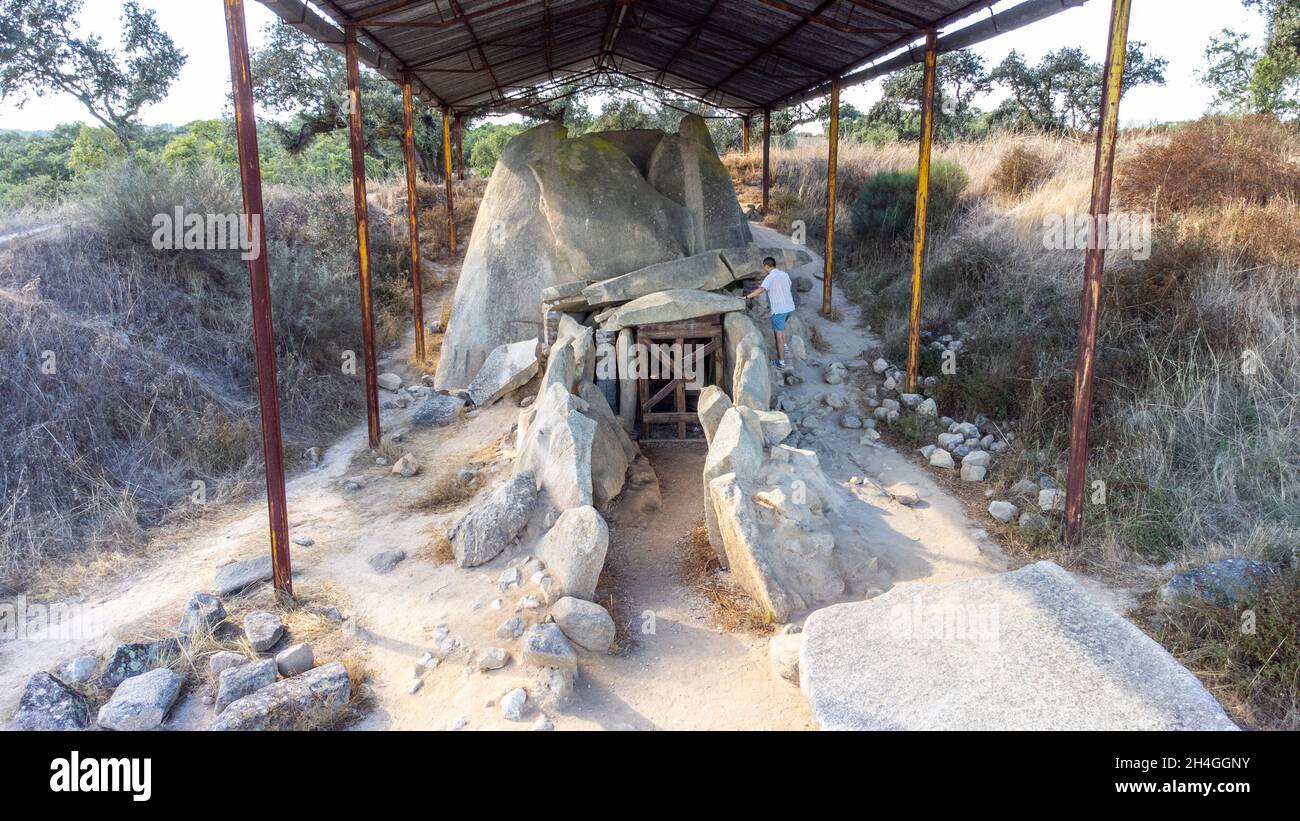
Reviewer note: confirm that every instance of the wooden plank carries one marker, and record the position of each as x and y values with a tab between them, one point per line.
681	394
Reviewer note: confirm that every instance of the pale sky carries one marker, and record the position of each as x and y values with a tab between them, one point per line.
1177	30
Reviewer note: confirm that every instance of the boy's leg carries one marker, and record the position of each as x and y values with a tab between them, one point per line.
780	345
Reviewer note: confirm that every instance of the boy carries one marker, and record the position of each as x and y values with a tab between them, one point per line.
779	299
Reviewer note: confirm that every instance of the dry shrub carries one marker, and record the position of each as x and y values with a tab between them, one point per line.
448	490
733	610
1020	169
1213	161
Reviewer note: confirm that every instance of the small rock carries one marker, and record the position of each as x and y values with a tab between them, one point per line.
294	659
79	670
512	628
904	494
308	701
868	437
263	629
1031	522
834	373
850	421
783	654
493	658
585	623
513	704
408	465
1222	582
546	646
49	704
458	724
141	702
942	459
880	365
236	576
1003	511
928	408
1051	500
543	724
528	603
982	458
129	660
304	541
1025	487
202	613
972	473
385	560
225	660
389	381
237	682
508	579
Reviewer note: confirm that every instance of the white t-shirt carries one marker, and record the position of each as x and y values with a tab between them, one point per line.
777	285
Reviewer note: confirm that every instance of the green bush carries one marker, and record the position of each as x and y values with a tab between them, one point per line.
885	209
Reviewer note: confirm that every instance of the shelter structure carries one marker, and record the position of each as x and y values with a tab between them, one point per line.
742	58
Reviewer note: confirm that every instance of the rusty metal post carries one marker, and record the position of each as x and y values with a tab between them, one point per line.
259	286
460	155
412	216
446	173
922	200
832	160
1094	262
357	143
744	134
767	156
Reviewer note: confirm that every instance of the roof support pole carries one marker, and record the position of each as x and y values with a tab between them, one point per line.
1094	262
446	173
412	217
767	157
268	397
744	134
460	154
362	219
832	160
922	200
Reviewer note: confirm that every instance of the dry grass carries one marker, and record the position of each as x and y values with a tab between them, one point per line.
450	488
733	611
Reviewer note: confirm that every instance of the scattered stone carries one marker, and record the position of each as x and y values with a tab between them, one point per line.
1051	500
904	493
1003	511
928	408
237	576
941	459
129	660
514	703
202	613
546	646
224	660
868	437
835	401
141	702
237	682
948	441
79	670
294	659
304	702
783	653
1025	487
303	541
585	623
1222	582
543	724
508	579
528	603
512	628
493	523
493	658
459	723
1053	658
49	704
263	629
385	560
407	466
389	381
850	421
1031	523
981	458
971	472
880	365
312	455
834	372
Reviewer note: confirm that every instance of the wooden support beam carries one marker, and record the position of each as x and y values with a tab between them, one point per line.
357	143
460	154
446	173
744	134
1094	263
412	218
259	286
922	200
832	160
767	158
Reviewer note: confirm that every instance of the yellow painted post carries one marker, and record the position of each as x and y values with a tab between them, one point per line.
446	173
412	213
922	199
832	159
1094	263
356	142
767	158
744	135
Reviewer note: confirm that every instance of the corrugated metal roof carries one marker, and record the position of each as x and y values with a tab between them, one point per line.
742	55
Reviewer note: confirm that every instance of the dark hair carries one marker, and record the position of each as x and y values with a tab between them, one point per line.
769	261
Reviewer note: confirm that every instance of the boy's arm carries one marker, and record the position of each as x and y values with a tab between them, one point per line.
760	289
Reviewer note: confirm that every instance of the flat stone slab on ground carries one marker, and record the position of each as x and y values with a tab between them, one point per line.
507	367
234	577
1025	650
439	410
141	702
304	702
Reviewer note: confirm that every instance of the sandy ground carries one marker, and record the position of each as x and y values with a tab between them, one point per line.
674	670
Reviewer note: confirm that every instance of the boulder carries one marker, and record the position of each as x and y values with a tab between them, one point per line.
751	381
133	659
689	173
263	629
546	646
713	403
439	410
555	441
694	127
202	613
1222	582
612	451
488	527
49	704
748	261
585	623
141	702
555	210
705	271
670	306
638	144
1025	650
304	702
574	551
507	367
736	448
237	682
775	425
237	576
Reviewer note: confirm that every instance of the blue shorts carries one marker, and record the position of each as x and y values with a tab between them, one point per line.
778	320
